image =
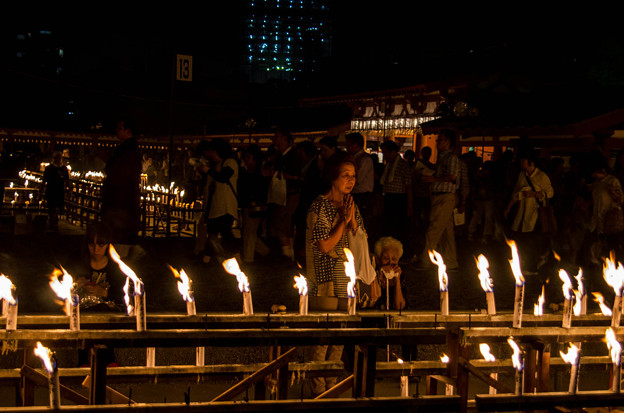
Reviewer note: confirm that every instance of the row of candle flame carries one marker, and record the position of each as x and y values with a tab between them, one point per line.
614	276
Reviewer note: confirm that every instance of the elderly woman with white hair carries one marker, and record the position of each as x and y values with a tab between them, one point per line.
388	252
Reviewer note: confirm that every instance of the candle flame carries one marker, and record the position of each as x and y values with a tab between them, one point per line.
444	358
567	284
350	271
514	262
579	280
62	288
130	275
184	284
484	274
603	307
231	266
46	357
6	289
538	308
614	346
301	284
436	258
400	360
571	357
516	357
614	276
485	351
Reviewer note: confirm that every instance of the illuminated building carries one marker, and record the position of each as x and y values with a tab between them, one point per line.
285	38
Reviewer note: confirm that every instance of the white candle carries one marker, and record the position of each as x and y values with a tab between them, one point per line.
616	311
11	316
247	303
73	305
566	321
150	357
54	388
491	306
303	304
518	306
139	309
444	302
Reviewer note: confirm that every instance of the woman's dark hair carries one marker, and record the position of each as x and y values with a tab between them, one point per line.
221	147
331	170
99	230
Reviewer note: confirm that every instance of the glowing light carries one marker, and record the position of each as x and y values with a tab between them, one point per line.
231	266
567	284
436	258
45	355
485	351
6	289
484	274
614	346
603	307
184	284
301	284
571	357
516	358
514	262
538	308
350	271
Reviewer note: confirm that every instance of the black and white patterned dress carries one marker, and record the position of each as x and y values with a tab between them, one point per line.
325	267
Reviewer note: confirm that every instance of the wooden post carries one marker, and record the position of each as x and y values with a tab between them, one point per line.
364	367
282	377
27	393
97	390
530	365
462	376
543	369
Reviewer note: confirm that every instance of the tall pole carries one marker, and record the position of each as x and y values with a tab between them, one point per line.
173	77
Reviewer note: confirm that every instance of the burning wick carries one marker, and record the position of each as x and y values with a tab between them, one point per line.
538	308
572	358
615	351
517	362
614	278
231	266
436	258
404	381
449	387
568	295
350	272
302	285
514	262
580	296
184	287
489	357
49	363
603	307
64	289
486	283
139	291
9	303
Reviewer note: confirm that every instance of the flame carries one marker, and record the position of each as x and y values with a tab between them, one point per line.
514	262
62	289
184	284
350	271
567	284
301	284
516	357
603	307
485	351
614	346
444	358
125	269
231	266
46	357
579	280
130	275
557	257
571	357
400	360
436	258
6	289
612	275
484	274
538	307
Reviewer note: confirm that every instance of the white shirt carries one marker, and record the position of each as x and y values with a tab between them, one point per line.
365	179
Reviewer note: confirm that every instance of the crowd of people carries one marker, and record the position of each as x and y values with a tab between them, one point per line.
306	201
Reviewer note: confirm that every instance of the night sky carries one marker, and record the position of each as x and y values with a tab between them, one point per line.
121	59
